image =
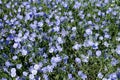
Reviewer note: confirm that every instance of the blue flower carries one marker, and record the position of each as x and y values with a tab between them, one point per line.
25	73
100	75
77	46
4	55
118	49
88	31
95	46
114	62
65	59
18	66
13	72
45	76
15	45
7	42
45	15
55	59
98	53
4	79
7	63
118	75
70	76
36	66
77	60
113	76
82	75
24	52
31	77
11	36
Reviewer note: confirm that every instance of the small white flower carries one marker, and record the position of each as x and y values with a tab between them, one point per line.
89	53
59	39
19	9
89	22
64	33
13	70
17	78
50	68
77	5
58	22
12	31
85	58
17	39
33	26
13	74
33	35
113	75
25	73
70	13
99	13
27	17
32	38
15	45
70	76
56	29
88	31
25	37
74	29
100	75
14	57
65	4
34	72
20	34
76	46
72	20
117	38
44	69
51	50
101	37
106	1
60	49
55	59
36	66
118	49
40	24
31	77
98	53
31	59
106	44
8	5
90	43
19	66
107	36
7	63
40	64
45	76
77	60
19	16
24	52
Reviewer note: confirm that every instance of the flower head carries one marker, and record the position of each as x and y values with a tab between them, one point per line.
88	31
100	75
98	53
77	60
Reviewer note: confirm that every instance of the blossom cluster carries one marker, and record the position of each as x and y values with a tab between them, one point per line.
59	40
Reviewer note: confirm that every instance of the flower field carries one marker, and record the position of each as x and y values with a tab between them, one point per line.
59	40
